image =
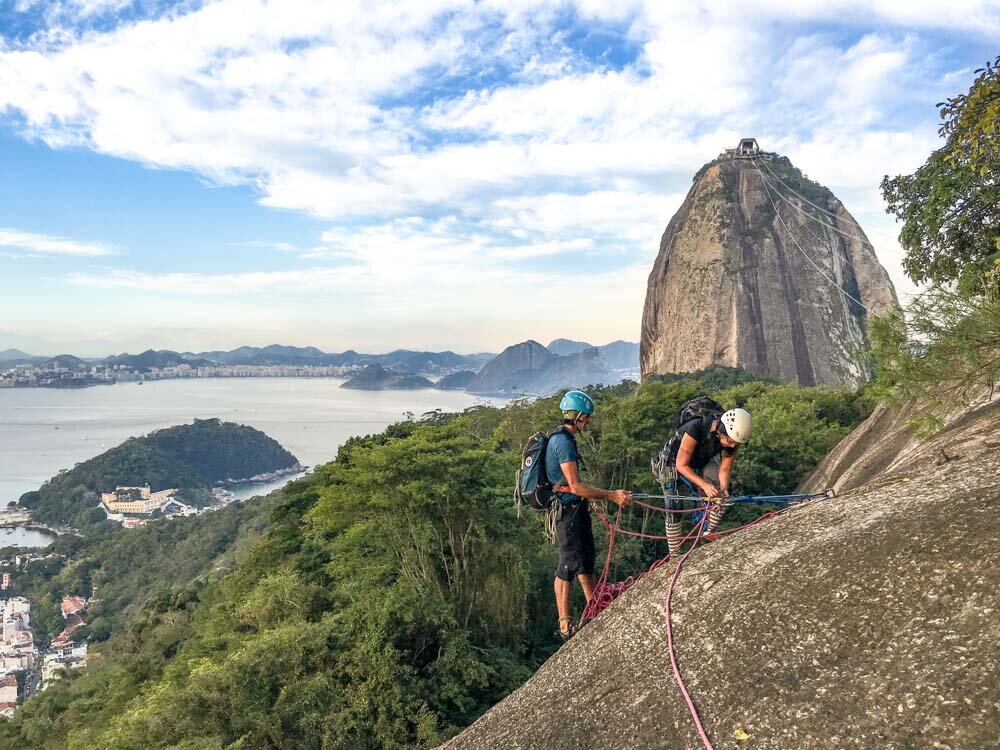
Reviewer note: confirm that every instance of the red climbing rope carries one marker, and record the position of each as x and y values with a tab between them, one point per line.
605	593
670	642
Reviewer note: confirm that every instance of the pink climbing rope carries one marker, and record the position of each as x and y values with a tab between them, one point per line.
605	593
670	644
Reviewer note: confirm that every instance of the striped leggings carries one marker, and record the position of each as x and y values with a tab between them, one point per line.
678	485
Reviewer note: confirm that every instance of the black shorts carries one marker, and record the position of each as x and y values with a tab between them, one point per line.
576	541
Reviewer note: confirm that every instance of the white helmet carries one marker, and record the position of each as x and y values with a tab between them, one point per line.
738	424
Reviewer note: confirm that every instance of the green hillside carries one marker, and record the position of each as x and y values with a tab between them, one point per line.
395	595
191	457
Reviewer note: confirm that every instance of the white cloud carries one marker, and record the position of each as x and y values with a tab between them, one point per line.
625	214
21	242
285	247
292	98
87	8
383	117
308	279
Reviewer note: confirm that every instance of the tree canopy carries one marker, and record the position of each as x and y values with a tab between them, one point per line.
950	207
944	349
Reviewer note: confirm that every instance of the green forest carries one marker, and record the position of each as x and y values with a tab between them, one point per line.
191	457
395	594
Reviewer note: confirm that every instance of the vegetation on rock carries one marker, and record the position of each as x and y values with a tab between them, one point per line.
376	377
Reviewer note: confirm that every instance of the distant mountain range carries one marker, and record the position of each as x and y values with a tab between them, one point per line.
524	368
16	355
618	355
149	359
400	360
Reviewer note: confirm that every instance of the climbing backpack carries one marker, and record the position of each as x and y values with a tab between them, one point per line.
702	407
532	485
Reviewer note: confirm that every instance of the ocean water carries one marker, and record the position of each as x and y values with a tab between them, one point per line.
43	430
19	536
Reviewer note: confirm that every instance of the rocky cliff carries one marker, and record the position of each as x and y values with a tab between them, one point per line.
885	443
764	269
868	620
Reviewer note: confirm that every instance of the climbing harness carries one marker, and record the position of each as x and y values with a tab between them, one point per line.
606	592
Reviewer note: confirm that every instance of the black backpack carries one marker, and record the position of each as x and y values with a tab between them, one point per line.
702	407
532	485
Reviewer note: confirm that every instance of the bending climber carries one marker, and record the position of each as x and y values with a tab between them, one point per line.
570	504
702	434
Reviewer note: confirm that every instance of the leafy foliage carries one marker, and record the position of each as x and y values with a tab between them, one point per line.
944	350
950	207
396	595
126	570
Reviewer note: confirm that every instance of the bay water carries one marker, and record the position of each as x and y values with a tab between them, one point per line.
19	536
44	430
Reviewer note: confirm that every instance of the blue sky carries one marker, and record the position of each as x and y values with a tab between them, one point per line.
200	175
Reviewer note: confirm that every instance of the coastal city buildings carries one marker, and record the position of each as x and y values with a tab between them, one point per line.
17	649
8	694
46	375
63	653
20	656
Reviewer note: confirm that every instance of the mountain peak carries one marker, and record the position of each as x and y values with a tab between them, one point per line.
763	268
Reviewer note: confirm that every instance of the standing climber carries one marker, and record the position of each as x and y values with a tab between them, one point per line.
570	504
702	432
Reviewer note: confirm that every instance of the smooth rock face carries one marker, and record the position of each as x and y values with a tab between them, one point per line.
884	443
864	621
741	284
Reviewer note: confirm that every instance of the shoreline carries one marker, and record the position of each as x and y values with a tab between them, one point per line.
265	478
13	519
139	381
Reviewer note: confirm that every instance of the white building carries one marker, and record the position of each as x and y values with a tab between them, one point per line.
67	657
135	499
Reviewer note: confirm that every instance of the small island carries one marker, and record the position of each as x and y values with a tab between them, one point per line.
377	378
179	465
456	381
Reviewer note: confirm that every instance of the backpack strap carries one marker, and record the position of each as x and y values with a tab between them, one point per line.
564	430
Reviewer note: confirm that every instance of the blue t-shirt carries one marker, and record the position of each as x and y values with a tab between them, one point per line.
559	450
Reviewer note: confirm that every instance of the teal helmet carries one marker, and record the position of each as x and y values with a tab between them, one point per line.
575	403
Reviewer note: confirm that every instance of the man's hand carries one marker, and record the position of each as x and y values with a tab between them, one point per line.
710	490
622	497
